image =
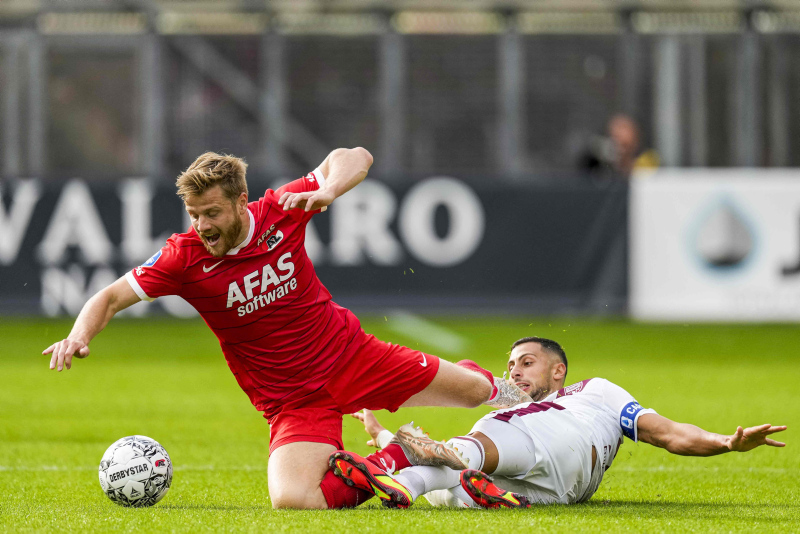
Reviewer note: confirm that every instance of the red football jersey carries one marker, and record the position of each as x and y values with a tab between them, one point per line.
280	332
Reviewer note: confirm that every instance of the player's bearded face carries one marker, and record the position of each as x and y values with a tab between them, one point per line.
531	369
219	240
216	220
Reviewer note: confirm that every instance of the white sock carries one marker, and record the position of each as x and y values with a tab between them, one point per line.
464	497
471	450
383	438
420	479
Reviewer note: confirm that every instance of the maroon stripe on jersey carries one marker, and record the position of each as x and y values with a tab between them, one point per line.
478	444
573	389
533	407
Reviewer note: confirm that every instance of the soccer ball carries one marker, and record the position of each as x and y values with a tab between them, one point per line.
135	471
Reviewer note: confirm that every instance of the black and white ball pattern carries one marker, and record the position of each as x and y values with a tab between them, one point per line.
135	471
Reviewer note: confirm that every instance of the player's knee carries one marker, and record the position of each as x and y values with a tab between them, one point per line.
291	499
283	499
295	498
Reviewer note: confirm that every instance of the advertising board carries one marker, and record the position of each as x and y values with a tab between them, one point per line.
439	242
716	245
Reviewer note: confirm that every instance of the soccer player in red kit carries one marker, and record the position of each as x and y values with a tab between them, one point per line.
302	360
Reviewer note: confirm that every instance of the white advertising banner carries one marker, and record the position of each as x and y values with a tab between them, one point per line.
715	245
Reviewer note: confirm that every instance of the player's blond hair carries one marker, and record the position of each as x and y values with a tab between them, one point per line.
212	169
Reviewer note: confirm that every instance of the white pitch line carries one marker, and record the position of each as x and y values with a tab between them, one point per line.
430	333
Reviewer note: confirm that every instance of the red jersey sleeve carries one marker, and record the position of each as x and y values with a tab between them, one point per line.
161	275
310	182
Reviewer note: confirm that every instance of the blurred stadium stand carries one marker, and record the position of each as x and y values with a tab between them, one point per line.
508	89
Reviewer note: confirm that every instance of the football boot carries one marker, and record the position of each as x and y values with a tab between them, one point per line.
420	449
483	491
360	473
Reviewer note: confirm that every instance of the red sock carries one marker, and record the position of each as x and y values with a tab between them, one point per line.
340	495
472	366
391	458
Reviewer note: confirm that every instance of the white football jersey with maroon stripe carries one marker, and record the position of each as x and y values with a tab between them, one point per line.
564	427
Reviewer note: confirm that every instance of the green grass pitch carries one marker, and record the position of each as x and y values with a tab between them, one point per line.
168	380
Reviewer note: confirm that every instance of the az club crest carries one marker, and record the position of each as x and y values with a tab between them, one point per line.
273	240
264	235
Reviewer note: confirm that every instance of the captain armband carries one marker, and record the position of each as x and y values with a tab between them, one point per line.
628	418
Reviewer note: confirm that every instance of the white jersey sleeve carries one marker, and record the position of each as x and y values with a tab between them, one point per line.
624	405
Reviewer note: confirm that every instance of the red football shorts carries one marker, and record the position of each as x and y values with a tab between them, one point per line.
380	376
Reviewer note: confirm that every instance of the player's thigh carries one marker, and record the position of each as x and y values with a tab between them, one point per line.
512	449
295	471
452	386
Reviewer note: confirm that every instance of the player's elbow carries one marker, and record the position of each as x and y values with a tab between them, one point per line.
365	155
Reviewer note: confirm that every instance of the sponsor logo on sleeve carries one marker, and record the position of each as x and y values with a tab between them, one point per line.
149	263
153	259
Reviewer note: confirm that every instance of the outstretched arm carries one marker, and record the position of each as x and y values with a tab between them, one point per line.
344	168
373	428
93	318
689	440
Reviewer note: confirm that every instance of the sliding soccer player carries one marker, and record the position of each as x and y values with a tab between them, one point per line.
553	450
301	359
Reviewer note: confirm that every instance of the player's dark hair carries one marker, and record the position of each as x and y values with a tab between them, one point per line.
547	344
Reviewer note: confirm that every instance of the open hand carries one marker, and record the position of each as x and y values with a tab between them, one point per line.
371	425
63	351
747	439
308	201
